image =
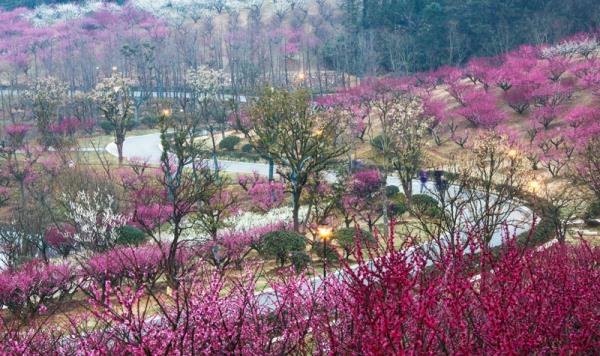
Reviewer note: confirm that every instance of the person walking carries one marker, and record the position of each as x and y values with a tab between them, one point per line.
423	178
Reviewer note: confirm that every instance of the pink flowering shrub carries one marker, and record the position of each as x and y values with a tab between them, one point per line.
522	301
264	195
61	239
140	265
363	196
16	134
34	287
232	247
395	300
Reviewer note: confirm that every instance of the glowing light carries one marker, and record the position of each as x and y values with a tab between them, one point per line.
325	232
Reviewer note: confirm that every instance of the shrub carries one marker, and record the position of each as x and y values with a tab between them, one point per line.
150	121
593	210
279	244
299	260
544	231
34	286
378	142
247	148
330	252
397	205
107	126
130	236
347	241
425	204
391	190
228	143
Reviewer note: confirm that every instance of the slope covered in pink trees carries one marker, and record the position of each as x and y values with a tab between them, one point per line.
546	96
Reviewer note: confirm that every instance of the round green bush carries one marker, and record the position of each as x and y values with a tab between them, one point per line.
279	245
300	260
330	252
391	190
107	126
425	204
150	121
593	210
130	236
247	148
397	205
228	143
345	238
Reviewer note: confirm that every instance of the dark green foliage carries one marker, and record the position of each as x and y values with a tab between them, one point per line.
593	210
425	204
330	252
347	241
130	236
299	260
228	143
247	148
544	231
107	126
391	190
280	244
150	121
379	142
397	205
417	35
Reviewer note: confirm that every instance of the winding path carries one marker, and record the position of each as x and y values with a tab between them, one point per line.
147	148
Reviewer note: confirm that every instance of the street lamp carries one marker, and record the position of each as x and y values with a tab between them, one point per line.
512	154
534	185
325	232
166	112
114	68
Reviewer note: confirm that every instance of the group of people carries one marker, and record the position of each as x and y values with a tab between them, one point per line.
441	183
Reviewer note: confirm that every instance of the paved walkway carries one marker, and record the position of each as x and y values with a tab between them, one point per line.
148	148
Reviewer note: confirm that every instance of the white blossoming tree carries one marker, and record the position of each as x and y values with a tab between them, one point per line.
207	86
115	99
95	220
45	95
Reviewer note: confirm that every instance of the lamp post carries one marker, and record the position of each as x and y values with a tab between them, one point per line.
325	232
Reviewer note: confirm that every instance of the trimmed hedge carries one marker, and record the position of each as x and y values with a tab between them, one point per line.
247	148
345	238
391	190
228	143
279	245
130	236
330	252
425	204
397	205
300	260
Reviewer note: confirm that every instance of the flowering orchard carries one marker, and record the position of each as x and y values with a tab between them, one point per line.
180	252
449	304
